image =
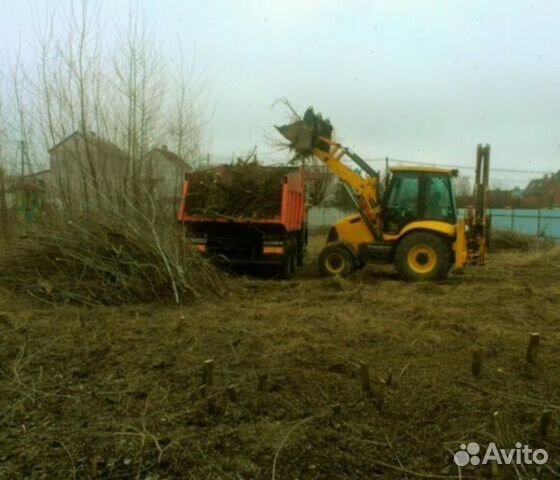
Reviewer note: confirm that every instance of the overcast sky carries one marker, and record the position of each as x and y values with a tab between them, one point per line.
415	80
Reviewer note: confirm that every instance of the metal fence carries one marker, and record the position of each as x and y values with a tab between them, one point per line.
531	222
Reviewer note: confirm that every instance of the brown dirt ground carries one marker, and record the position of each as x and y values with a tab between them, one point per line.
115	392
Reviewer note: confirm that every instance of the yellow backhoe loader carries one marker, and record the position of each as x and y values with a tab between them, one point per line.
414	225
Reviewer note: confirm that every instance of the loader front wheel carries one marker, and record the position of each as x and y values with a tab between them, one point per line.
423	256
336	259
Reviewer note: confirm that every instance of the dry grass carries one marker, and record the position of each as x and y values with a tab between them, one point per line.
115	392
509	240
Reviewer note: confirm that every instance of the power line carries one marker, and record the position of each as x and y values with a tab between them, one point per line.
469	167
267	158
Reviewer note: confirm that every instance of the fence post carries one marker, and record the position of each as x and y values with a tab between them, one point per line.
512	217
538	222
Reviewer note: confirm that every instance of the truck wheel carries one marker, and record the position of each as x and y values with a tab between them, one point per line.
300	246
288	264
294	262
300	255
423	256
336	259
289	259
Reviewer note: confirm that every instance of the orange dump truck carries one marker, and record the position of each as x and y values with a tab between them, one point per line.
276	235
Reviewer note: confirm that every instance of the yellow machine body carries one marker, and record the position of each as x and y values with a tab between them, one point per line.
368	240
353	232
414	227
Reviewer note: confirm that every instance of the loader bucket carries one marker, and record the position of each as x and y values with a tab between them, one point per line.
299	135
304	135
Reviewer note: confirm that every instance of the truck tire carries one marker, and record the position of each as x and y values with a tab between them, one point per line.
301	243
423	256
336	259
289	259
286	269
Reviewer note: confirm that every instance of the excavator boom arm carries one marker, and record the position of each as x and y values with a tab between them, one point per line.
312	136
365	190
365	187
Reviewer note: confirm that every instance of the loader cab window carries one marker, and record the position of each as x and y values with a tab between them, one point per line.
418	196
401	201
440	199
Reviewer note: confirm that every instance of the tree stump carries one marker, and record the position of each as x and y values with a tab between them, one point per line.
533	347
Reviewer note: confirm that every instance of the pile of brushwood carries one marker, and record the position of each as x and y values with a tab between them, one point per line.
243	189
107	259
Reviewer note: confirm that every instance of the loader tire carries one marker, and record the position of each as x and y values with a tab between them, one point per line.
336	259
423	257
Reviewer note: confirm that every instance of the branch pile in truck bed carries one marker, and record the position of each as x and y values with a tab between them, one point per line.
243	189
107	259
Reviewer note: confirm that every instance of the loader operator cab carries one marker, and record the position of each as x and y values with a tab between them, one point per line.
418	194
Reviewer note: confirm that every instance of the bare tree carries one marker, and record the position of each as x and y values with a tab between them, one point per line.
463	186
140	88
318	182
4	224
498	184
123	90
186	111
61	86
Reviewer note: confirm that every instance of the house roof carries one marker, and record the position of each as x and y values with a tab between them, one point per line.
539	186
535	186
105	147
170	156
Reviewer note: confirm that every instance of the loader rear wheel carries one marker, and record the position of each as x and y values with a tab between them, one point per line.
423	256
336	259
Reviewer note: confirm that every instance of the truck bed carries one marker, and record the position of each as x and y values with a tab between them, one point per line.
288	216
278	236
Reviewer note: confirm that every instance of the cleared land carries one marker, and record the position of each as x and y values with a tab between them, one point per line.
115	392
